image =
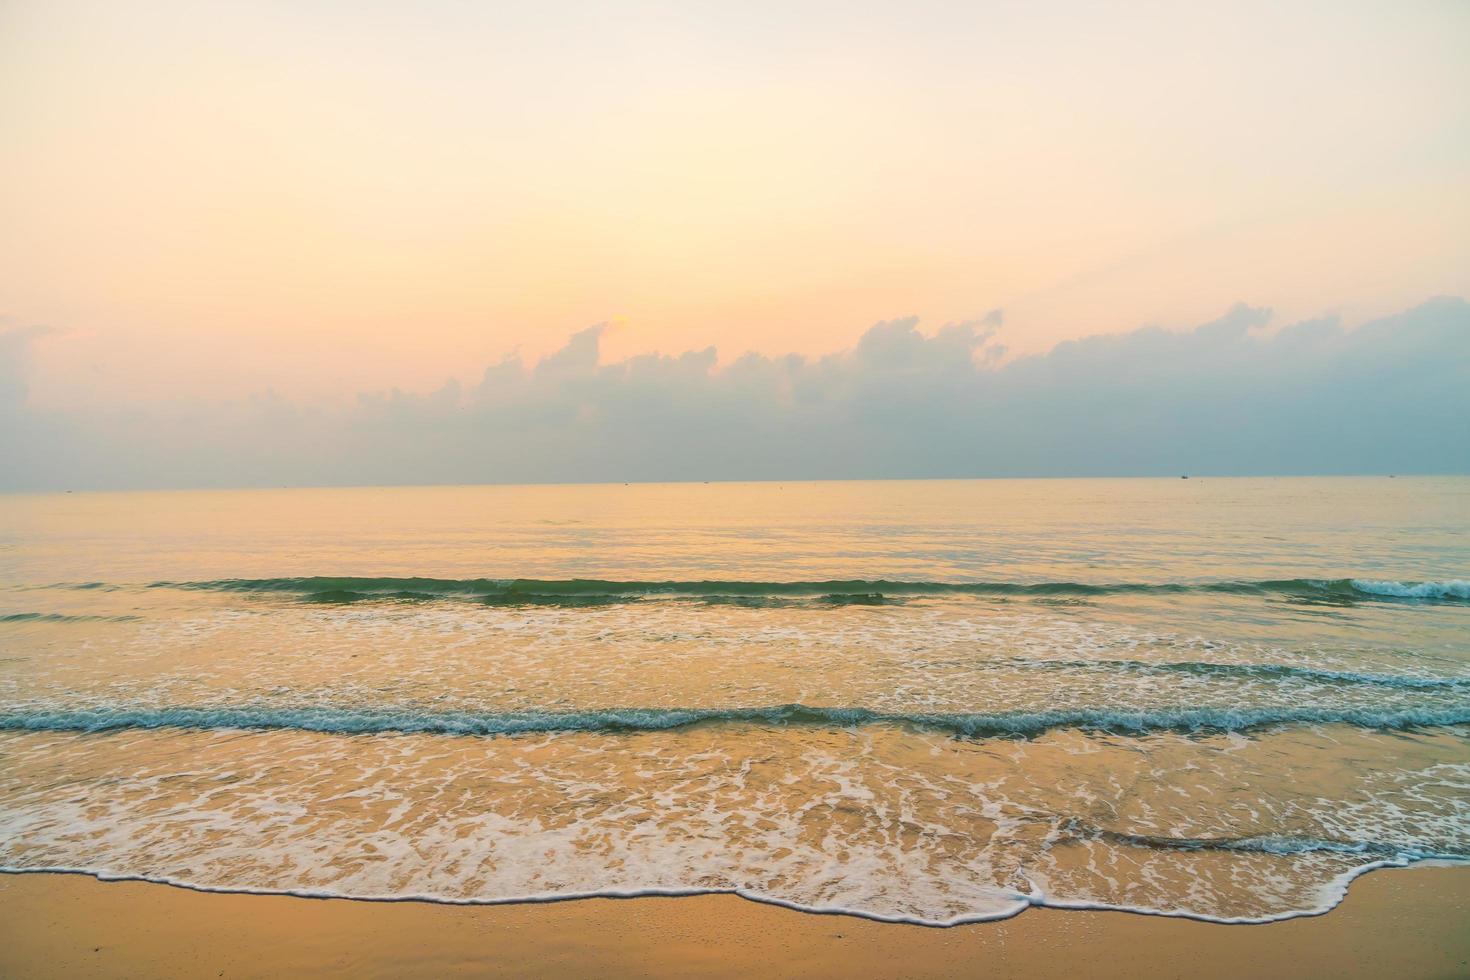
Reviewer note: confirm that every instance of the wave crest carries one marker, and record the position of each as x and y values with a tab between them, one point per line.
1452	589
591	592
353	721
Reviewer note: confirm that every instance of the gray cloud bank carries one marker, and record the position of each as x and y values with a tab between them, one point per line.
1226	398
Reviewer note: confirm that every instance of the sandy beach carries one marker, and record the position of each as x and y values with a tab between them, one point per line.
1401	923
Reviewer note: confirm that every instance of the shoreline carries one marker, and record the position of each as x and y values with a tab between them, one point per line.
1406	922
1339	888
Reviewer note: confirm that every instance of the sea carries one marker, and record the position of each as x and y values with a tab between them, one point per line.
927	702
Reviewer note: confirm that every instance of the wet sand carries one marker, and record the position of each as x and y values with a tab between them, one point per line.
1398	923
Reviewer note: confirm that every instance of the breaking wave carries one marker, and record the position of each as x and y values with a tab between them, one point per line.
1245	671
592	592
354	721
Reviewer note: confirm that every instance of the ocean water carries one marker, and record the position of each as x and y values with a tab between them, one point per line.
934	702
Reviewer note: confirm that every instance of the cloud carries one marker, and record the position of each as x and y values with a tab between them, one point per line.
1228	397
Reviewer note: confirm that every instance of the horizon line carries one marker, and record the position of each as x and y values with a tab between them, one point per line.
763	481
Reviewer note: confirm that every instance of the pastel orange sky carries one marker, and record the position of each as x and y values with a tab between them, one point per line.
207	198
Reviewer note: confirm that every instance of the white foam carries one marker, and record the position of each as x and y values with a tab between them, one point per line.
1451	589
892	825
1332	895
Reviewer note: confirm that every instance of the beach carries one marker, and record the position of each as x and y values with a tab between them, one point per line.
734	490
1397	923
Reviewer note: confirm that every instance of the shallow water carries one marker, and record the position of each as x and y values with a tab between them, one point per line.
932	701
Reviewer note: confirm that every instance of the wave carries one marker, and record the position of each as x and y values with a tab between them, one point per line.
586	599
355	721
37	617
1281	845
1455	589
1246	671
840	591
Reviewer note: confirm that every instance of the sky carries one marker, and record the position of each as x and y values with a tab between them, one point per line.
332	217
